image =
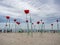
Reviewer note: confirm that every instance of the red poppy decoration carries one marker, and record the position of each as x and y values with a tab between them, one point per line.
57	20
51	24
26	11
14	20
18	23
38	22
27	21
7	17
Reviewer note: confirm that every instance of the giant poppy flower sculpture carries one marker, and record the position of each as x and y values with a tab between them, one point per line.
8	20
27	12
18	23
38	22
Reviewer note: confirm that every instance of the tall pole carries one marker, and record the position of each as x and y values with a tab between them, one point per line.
9	24
27	26
31	25
26	12
8	20
51	26
18	23
5	30
6	26
15	24
38	22
41	25
57	24
34	27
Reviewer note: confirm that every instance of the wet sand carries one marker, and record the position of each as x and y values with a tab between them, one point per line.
25	39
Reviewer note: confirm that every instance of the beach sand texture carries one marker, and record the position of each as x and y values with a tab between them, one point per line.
25	39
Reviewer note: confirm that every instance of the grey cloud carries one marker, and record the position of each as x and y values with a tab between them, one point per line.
57	2
50	18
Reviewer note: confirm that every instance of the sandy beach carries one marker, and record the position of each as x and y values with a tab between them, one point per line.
25	39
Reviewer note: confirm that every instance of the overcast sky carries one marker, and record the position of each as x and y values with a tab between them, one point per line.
47	10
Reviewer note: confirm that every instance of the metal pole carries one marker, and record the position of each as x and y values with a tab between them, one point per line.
9	24
34	27
57	26
52	27
6	26
41	28
27	25
15	28
31	25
